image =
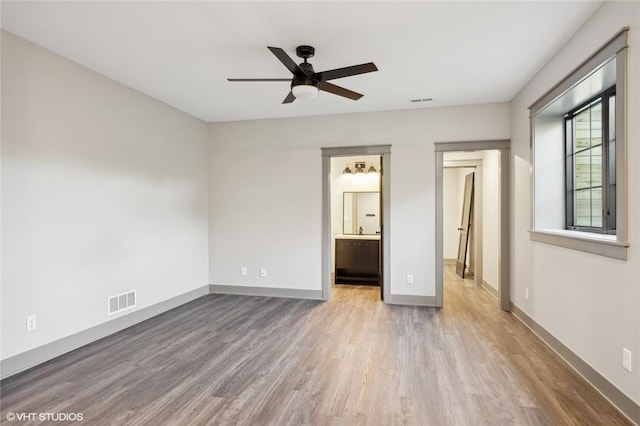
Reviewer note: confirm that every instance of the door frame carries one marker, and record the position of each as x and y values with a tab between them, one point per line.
503	146
478	168
348	151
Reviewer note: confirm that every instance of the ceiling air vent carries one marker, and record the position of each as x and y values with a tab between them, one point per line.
414	101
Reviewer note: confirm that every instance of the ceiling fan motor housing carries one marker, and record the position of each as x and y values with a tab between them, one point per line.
306	78
304	81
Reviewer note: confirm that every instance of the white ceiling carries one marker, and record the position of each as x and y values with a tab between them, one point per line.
182	52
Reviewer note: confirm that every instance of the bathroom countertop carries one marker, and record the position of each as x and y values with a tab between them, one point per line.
358	237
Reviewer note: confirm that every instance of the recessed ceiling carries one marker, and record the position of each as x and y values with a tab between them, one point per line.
181	53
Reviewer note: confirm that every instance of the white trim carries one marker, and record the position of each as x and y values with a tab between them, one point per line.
457	164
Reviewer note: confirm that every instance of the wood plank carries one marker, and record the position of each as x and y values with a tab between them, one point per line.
226	359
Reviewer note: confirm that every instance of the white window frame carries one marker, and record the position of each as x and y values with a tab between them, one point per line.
615	246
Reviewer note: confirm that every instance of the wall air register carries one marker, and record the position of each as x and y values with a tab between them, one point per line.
121	302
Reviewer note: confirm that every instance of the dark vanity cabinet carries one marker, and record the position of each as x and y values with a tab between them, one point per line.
357	261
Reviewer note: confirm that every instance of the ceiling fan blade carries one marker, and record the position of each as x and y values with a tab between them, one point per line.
286	60
259	79
345	72
290	98
340	91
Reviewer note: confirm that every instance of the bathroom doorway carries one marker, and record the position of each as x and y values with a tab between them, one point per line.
488	263
355	216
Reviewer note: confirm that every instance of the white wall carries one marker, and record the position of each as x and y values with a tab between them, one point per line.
488	177
276	166
490	218
340	183
590	302
550	166
450	208
452	201
104	190
462	181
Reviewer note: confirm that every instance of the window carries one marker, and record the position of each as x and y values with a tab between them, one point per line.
590	165
579	150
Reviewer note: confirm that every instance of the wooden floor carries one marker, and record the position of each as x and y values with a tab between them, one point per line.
229	360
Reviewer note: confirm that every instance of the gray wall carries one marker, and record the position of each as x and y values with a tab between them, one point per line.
104	190
591	303
266	190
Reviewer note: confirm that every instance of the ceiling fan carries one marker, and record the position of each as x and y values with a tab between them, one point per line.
306	83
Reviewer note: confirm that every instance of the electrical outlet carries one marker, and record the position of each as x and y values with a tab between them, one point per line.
626	359
526	294
31	322
263	272
243	271
409	278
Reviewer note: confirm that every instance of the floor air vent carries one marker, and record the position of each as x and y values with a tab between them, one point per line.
120	302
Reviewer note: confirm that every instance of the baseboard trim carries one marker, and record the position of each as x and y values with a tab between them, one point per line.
448	261
622	402
406	299
490	289
25	360
289	293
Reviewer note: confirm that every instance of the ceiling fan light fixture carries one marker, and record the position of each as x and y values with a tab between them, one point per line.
306	83
304	91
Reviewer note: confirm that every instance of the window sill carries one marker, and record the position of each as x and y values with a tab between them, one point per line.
603	245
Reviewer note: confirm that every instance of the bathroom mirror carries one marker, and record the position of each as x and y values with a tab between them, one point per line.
361	213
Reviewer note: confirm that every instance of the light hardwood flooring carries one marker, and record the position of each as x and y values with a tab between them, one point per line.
227	360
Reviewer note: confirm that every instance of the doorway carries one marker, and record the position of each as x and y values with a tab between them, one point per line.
383	152
503	225
457	168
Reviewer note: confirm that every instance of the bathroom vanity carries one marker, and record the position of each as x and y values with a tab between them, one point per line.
357	249
357	259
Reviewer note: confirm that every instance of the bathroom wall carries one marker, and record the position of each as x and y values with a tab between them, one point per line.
341	183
